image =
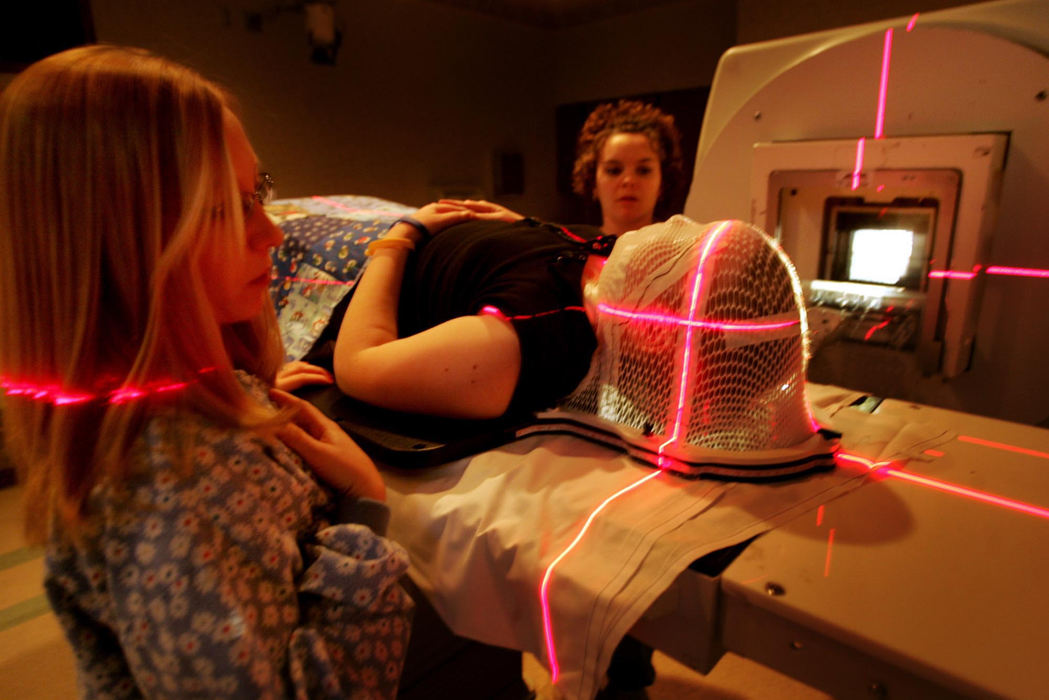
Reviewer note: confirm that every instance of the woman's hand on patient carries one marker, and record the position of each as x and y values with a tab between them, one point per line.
438	216
332	454
443	213
485	209
297	374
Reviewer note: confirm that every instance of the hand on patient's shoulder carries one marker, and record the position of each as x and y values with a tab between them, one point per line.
326	448
298	374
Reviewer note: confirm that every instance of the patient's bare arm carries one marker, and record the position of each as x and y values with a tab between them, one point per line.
466	367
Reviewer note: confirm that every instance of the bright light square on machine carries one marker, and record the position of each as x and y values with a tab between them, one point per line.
881	256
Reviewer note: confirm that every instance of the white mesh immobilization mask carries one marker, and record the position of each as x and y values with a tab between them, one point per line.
701	357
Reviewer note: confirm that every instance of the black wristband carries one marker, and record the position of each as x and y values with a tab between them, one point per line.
416	224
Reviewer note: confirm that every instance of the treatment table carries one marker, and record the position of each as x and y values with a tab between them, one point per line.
897	589
919	580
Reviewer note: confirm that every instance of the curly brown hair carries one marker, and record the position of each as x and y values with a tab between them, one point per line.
630	117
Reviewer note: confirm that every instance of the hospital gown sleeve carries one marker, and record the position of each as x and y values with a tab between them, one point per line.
226	580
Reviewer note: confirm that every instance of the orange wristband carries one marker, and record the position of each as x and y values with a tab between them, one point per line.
396	243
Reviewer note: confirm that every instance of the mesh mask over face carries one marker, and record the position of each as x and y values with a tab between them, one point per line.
701	357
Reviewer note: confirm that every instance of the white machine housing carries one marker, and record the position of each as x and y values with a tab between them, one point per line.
965	148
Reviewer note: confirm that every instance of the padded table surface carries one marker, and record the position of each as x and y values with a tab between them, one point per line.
901	588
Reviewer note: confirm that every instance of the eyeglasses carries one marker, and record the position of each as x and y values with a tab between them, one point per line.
262	194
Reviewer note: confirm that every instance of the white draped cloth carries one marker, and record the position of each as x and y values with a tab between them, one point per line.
482	533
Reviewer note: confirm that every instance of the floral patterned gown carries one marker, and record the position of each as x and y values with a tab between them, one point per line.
236	578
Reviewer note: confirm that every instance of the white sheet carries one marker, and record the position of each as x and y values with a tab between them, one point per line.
482	532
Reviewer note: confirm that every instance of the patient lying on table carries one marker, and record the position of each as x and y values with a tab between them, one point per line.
482	318
685	347
699	333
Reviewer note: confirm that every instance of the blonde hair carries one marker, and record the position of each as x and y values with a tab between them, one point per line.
114	175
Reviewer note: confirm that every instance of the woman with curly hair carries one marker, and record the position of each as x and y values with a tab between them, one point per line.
628	159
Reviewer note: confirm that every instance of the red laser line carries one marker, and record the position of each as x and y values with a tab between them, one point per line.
914	20
316	281
498	313
686	356
991	270
861	461
860	145
548	628
62	397
884	469
983	496
873	329
879	118
830	545
951	275
934	453
1017	271
883	88
819	516
716	325
1002	446
126	394
575	237
69	399
368	212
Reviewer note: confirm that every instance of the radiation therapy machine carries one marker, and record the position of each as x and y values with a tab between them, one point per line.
904	167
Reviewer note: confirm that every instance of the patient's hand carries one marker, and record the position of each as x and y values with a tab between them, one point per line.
485	209
298	374
437	216
328	450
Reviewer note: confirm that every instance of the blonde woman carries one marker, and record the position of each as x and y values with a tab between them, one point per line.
187	507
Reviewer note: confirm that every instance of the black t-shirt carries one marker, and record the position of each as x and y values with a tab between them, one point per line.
531	272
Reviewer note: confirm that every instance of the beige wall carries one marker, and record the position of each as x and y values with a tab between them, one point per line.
423	94
419	98
668	47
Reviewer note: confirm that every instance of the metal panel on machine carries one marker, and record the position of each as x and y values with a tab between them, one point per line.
874	227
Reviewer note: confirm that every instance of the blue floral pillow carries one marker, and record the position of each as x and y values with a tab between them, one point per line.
321	258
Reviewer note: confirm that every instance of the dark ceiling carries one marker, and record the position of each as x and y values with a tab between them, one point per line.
553	13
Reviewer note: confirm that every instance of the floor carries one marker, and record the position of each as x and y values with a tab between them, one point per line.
36	662
733	678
